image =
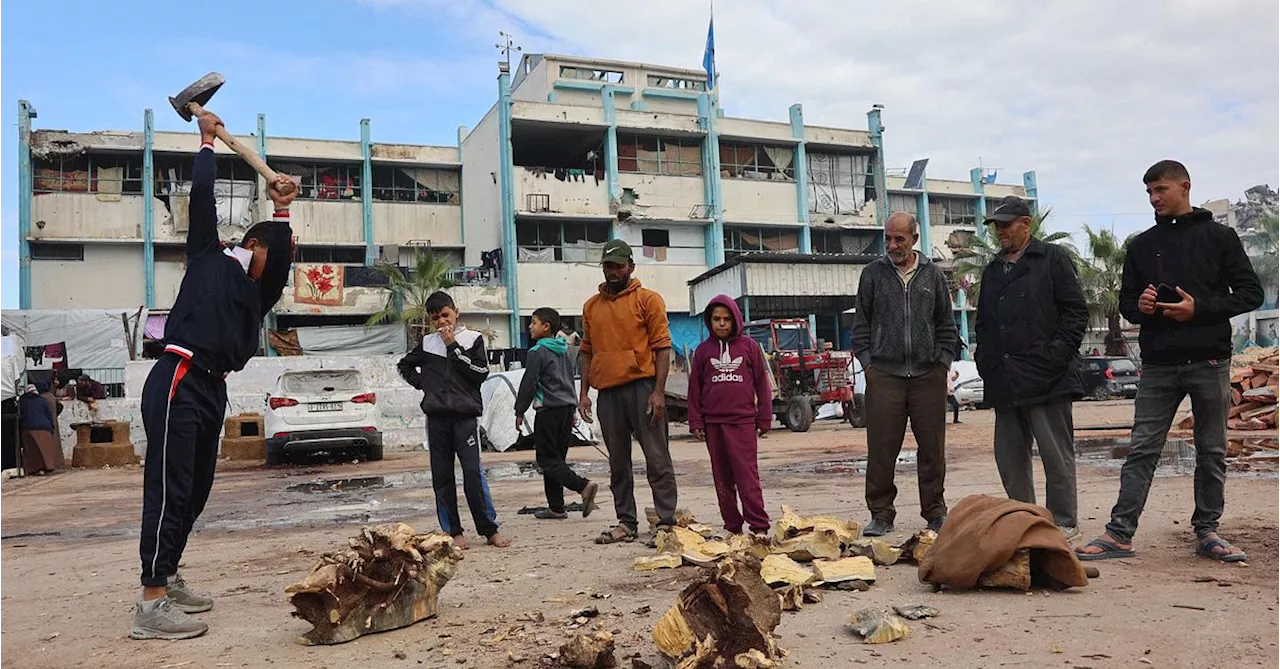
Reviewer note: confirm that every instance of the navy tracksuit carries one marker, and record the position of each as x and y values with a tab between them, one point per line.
449	378
212	330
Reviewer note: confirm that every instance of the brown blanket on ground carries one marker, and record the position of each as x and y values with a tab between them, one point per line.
982	533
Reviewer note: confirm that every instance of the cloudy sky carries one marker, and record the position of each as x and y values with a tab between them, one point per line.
1088	93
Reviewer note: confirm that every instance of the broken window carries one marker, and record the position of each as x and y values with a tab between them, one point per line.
415	184
323	181
333	254
234	187
849	242
676	83
588	74
646	154
556	241
742	239
956	211
839	183
754	161
907	203
655	237
559	152
170	253
102	173
56	251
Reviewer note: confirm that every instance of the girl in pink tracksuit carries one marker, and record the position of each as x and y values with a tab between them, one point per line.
730	403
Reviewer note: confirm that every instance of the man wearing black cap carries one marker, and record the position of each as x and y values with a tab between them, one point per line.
1031	320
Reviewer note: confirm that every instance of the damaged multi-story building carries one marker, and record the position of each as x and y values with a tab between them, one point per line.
575	151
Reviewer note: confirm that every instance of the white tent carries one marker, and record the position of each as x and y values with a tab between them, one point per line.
498	393
12	367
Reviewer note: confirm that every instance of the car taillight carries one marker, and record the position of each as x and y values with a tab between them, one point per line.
369	428
367	398
278	402
1109	374
281	435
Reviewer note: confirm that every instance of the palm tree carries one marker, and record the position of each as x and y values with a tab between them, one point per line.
407	294
1263	245
1100	279
982	247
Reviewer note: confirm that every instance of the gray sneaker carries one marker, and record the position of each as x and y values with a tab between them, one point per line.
185	599
1071	533
162	619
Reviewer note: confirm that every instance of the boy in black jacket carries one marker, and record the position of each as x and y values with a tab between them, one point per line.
547	384
211	331
448	367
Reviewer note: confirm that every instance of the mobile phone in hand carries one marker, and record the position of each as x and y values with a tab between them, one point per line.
1167	294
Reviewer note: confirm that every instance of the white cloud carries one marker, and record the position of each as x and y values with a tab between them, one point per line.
1088	93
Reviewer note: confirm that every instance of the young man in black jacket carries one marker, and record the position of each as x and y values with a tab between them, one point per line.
904	334
448	367
1183	280
211	331
1031	319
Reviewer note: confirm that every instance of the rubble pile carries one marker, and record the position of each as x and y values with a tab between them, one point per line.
1255	374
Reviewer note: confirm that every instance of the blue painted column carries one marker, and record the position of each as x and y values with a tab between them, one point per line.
25	113
148	208
607	96
877	165
922	215
1029	182
366	193
508	180
980	214
800	165
714	238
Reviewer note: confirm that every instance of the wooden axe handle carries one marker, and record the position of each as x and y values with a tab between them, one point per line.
250	156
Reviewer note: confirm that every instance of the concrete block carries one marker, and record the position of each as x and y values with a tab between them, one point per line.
244	448
243	425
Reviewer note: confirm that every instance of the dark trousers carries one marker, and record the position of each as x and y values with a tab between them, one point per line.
551	434
891	400
447	439
1160	390
1051	426
623	413
182	412
955	408
733	467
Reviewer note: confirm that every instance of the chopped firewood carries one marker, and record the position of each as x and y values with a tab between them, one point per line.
792	524
847	569
877	626
812	596
1236	396
678	540
684	517
727	613
1188	421
1235	448
1014	574
659	561
589	651
1241	408
1240	374
1257	413
878	550
780	569
791	597
389	577
1263	368
1260	380
918	545
815	545
1247	382
1255	424
1265	394
752	544
754	659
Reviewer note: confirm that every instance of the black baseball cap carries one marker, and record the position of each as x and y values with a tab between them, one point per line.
616	251
1011	207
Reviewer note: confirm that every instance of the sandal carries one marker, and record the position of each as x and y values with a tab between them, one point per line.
548	514
589	498
611	536
1205	549
1110	550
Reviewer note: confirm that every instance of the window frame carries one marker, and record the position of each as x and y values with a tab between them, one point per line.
657	165
595	232
35	249
737	168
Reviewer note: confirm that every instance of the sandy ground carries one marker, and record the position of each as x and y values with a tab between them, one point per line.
70	562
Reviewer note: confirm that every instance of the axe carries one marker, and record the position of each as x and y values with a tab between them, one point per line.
190	102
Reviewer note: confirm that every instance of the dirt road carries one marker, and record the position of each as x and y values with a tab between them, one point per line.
70	560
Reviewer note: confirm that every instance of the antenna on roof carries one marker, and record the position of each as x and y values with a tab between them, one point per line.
506	46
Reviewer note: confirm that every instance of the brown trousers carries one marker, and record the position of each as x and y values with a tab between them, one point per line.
890	401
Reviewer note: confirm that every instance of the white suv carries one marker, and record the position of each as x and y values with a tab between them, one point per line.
322	410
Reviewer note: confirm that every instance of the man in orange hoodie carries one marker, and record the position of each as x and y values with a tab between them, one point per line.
625	355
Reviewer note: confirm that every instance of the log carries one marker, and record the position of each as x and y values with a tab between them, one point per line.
389	577
877	626
726	614
1241	408
1014	574
589	651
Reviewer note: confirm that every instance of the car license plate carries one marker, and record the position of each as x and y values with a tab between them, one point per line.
1130	386
325	406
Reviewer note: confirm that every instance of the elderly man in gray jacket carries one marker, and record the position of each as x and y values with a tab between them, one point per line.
904	335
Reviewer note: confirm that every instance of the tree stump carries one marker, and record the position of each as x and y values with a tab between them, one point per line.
389	577
728	613
1014	574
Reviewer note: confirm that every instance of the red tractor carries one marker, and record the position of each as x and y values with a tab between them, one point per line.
804	377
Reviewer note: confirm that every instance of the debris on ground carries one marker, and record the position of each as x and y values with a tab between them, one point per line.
877	626
589	651
916	611
916	547
878	550
845	569
1014	574
389	577
1255	375
782	570
721	618
814	536
659	561
791	597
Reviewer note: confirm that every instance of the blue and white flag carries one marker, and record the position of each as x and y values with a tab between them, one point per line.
709	56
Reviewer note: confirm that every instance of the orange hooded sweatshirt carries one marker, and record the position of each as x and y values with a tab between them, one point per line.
621	332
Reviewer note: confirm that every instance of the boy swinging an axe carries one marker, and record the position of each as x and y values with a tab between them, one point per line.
211	331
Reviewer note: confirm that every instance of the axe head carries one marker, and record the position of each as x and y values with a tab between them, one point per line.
199	92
